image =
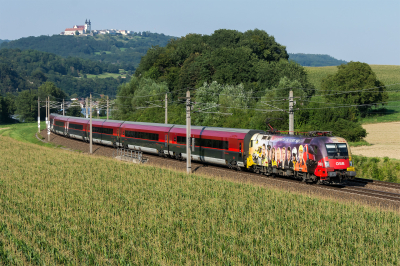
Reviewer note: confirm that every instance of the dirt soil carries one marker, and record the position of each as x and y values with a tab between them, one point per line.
233	175
385	140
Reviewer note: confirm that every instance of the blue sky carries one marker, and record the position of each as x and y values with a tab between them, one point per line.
366	31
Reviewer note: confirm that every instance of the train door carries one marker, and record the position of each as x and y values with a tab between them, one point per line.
119	139
240	150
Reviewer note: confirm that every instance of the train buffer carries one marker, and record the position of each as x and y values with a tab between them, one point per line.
129	155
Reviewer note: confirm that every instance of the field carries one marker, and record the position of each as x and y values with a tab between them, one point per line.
387	74
61	207
384	138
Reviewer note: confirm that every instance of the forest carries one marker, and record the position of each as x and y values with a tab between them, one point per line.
125	51
28	69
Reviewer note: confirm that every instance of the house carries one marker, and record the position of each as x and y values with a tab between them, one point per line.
81	29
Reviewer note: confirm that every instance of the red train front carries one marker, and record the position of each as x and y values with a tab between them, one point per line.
309	158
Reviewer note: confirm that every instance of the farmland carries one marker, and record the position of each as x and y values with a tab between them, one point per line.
387	74
60	207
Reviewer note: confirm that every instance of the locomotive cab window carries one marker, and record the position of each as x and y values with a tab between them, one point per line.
337	150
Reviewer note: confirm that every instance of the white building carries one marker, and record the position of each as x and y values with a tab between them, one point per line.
81	29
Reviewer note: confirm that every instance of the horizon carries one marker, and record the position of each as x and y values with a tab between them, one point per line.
365	31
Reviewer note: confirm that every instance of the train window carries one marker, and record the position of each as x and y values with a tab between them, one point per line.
76	126
337	150
108	131
307	141
342	147
97	129
216	144
181	140
141	135
60	124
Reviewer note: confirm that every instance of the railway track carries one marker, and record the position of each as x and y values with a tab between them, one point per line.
377	183
358	187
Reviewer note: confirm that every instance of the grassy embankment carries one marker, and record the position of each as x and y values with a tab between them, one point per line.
60	207
385	73
24	132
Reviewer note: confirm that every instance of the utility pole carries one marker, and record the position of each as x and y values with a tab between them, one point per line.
38	118
48	120
107	107
87	106
166	108
188	135
63	108
291	113
91	140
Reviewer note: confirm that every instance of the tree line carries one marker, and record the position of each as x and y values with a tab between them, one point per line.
28	69
242	80
315	60
125	51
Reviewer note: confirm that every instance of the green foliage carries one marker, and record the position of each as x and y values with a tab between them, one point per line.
375	168
125	51
26	101
60	207
315	60
7	108
22	70
226	56
358	78
140	93
74	110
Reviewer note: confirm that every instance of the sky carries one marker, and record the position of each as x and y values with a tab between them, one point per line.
352	30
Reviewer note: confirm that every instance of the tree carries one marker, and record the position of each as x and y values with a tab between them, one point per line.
76	32
354	84
74	110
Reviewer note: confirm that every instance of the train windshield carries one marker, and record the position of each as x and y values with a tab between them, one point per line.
337	150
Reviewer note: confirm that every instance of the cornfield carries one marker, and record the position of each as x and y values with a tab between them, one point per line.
61	207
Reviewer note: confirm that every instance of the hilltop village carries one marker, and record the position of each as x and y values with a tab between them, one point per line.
86	30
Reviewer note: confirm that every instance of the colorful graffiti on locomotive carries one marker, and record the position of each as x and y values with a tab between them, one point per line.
301	154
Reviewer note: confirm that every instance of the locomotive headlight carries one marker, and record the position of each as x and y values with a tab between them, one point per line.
326	164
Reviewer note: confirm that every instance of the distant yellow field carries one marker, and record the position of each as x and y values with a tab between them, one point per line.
388	74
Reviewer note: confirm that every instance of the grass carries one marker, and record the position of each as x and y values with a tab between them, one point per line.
388	74
60	207
104	75
359	143
385	169
24	132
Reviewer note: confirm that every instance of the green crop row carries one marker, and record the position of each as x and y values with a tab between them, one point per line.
61	207
383	169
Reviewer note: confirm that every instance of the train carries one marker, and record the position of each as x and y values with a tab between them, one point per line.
315	157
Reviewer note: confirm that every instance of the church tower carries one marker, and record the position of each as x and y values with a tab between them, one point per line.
88	26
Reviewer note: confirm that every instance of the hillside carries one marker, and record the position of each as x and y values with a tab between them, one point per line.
124	50
28	69
315	60
5	41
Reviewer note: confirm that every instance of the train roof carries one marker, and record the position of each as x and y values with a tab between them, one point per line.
148	124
